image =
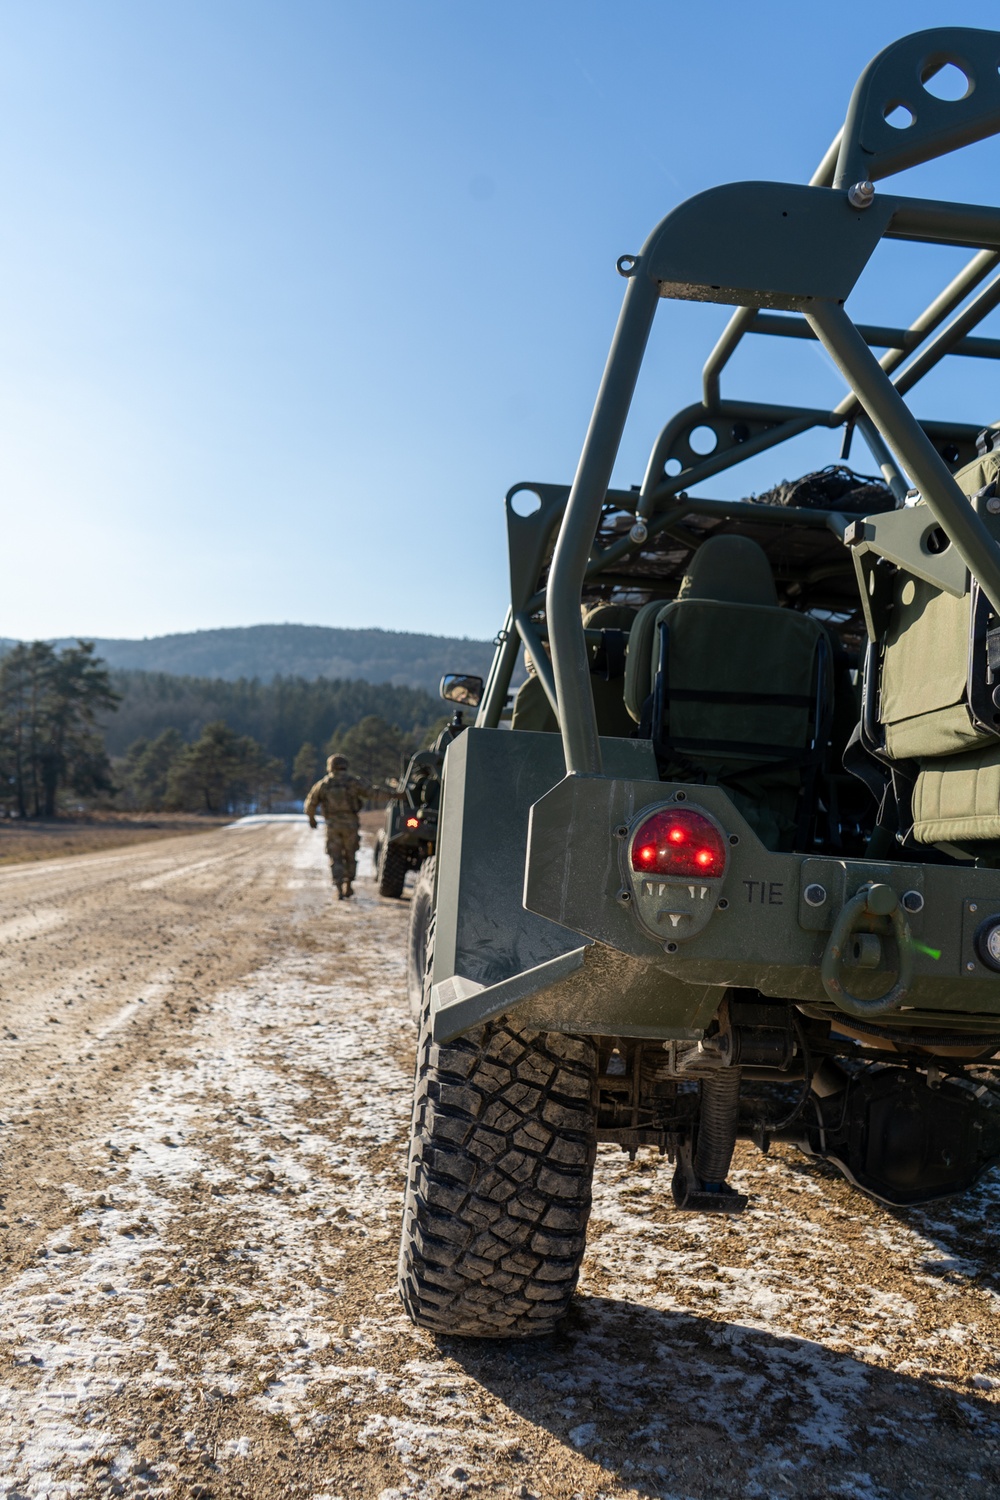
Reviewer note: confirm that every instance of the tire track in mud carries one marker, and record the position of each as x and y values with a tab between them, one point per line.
205	1304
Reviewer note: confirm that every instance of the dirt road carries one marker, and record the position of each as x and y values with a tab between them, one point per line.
206	1077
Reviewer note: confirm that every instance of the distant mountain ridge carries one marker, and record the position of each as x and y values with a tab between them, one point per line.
311	651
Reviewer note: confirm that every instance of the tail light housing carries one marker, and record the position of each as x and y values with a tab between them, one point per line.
676	857
679	842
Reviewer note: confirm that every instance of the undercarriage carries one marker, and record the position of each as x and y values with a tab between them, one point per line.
904	1127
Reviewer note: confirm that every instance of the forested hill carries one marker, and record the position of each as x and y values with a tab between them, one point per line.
280	715
309	651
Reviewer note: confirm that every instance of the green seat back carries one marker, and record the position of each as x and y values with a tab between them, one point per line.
722	650
532	709
730	569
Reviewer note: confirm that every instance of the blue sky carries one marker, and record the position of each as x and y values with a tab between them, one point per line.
291	293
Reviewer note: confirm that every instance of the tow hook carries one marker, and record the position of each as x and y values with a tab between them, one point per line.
871	902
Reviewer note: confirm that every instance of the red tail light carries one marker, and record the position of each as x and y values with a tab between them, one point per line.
413	822
681	842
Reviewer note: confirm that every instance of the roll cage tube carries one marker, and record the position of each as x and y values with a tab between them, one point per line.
801	249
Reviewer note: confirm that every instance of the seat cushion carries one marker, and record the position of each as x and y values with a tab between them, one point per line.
956	800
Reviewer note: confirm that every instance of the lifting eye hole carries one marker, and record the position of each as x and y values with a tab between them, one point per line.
936	541
947	82
900	116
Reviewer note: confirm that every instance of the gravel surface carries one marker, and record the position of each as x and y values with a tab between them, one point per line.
207	1067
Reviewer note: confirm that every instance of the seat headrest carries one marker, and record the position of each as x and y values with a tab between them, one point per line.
732	570
609	617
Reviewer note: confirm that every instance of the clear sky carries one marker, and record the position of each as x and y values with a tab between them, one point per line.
292	291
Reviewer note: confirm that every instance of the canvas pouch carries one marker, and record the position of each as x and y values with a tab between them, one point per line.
925	662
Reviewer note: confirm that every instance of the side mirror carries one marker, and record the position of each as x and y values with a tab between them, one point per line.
456	687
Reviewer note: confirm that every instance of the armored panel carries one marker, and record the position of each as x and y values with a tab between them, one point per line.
492	777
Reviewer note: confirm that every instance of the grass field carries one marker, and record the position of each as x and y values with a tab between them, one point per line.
22	843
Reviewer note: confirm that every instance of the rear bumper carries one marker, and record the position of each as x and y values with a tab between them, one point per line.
763	934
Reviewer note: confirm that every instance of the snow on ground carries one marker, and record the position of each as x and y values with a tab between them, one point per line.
217	1314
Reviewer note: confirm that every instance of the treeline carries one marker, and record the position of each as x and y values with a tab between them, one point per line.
223	772
149	741
281	715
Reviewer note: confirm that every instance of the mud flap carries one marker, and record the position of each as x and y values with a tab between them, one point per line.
589	991
458	1004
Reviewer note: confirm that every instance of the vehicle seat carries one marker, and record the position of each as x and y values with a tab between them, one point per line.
532	709
746	695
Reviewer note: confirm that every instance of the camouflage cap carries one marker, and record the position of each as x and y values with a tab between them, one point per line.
336	763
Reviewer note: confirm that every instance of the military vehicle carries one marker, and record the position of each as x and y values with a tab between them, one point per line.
466	691
410	831
734	873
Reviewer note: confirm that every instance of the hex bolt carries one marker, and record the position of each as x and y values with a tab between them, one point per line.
639	532
971	968
973	906
814	895
912	901
993	505
862	194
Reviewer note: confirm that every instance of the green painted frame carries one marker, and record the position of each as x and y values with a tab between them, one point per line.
801	249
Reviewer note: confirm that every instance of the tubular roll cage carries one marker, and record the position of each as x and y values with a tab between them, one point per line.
801	251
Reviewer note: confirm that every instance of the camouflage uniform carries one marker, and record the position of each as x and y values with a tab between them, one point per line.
340	796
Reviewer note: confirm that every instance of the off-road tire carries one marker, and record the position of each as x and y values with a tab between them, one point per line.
499	1179
421	907
391	866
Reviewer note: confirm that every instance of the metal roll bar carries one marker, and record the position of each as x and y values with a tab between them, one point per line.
801	250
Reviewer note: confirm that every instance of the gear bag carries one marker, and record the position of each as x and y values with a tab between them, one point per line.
931	708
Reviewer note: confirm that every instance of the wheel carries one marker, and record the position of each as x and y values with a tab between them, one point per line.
421	906
499	1179
390	869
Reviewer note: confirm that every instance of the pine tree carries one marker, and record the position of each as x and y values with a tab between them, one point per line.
49	707
305	769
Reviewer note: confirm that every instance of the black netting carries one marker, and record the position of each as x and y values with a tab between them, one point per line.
834	488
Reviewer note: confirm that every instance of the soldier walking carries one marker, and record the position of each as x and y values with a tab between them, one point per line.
341	796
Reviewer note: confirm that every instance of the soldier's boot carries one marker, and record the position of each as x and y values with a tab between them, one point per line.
348	889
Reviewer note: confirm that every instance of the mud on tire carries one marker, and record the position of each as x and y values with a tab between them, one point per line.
421	906
391	866
498	1181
